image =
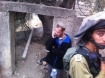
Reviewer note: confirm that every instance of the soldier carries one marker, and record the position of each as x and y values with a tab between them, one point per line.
88	63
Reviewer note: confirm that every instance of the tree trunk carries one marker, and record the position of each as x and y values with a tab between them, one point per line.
67	4
47	22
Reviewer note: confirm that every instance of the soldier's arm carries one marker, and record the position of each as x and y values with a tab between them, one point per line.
101	75
102	72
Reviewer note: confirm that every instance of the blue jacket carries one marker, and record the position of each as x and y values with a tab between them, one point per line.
57	51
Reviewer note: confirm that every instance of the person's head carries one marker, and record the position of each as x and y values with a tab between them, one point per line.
96	35
59	30
90	29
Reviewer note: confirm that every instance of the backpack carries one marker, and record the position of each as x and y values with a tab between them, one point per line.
67	57
77	50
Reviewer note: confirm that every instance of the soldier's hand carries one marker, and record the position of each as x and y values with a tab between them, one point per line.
103	66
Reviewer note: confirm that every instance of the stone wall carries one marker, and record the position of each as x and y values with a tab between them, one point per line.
7	32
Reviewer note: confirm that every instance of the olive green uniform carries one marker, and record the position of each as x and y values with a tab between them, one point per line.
79	68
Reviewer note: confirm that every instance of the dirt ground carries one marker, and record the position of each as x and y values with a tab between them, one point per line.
29	68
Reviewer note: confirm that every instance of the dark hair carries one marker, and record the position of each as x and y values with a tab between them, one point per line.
87	36
62	29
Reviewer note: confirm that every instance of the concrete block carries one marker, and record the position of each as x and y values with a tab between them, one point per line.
6	45
77	24
36	8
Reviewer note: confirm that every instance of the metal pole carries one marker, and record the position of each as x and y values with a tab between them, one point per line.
27	45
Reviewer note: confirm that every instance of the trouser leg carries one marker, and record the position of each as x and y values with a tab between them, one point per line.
60	73
49	68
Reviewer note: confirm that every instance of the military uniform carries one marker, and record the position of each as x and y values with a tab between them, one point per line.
79	68
85	64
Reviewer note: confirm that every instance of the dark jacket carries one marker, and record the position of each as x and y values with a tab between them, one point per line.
57	51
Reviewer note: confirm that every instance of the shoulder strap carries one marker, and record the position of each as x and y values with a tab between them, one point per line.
84	52
92	63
